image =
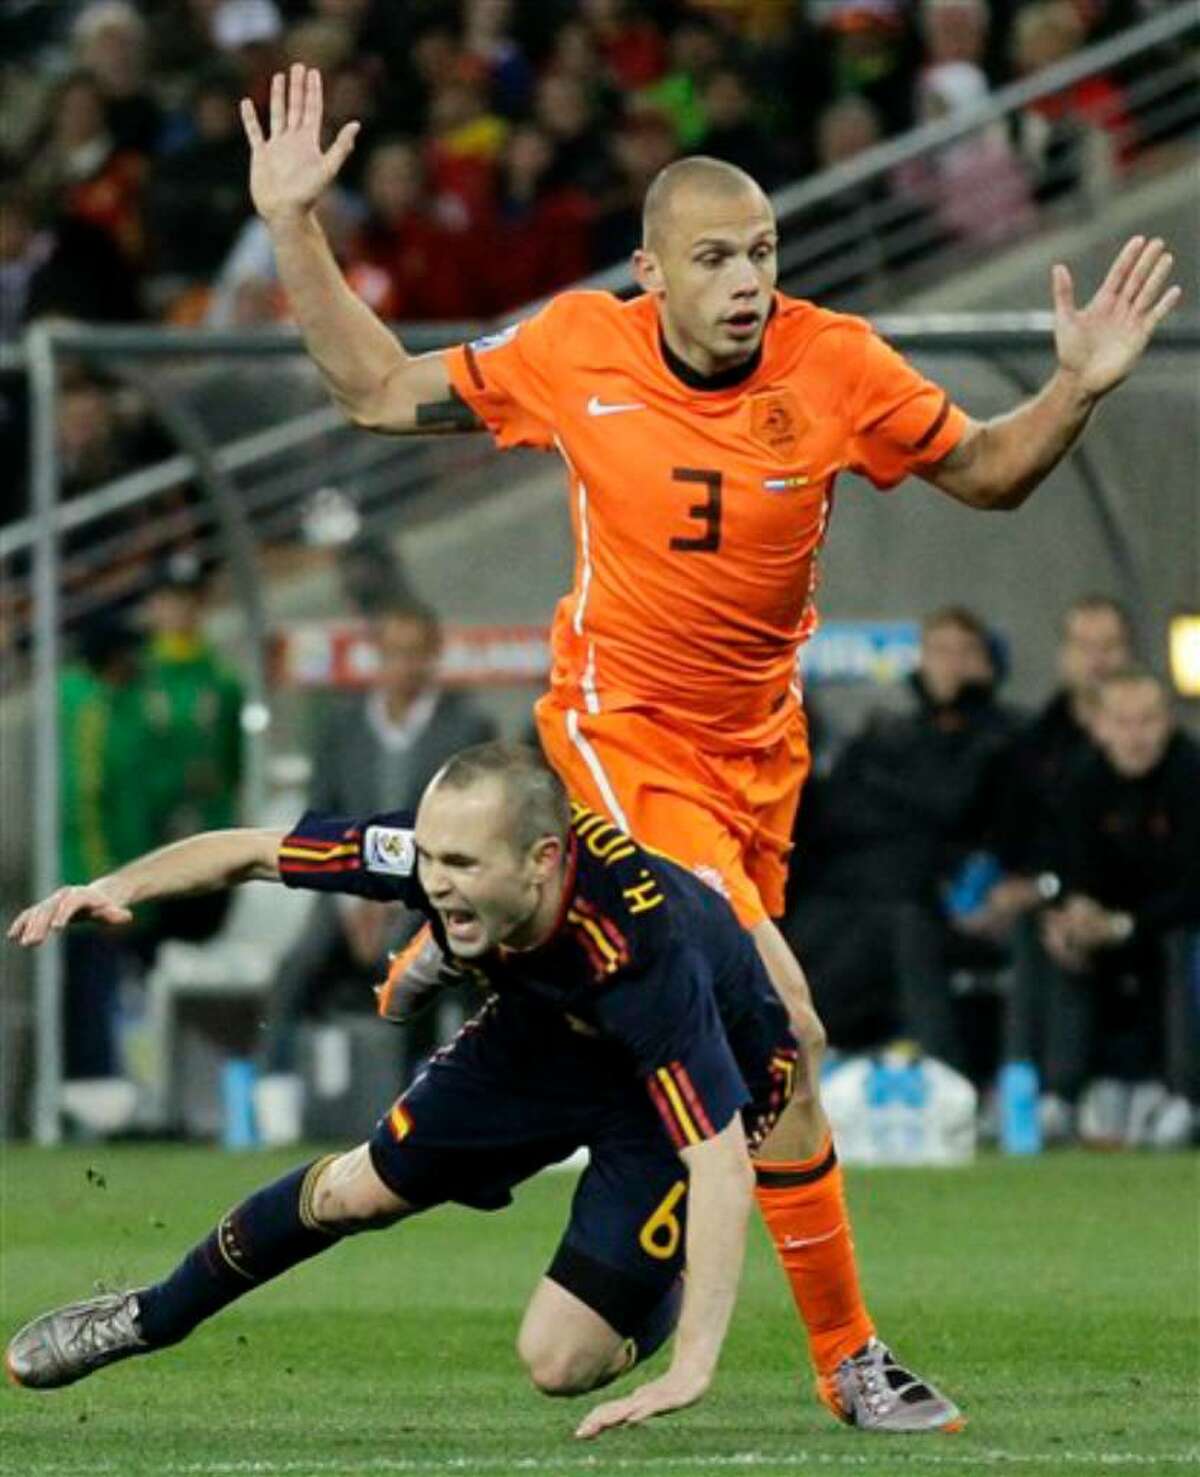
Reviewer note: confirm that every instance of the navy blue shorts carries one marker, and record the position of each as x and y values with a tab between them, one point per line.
519	1089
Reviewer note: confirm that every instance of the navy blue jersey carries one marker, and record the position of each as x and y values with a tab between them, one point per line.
643	955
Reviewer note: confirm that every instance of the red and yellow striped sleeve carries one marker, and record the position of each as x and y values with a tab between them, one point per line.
679	1106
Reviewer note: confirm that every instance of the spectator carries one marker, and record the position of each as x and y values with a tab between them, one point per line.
325	44
376	754
463	145
868	44
574	58
974	186
1130	849
247	293
196	202
405	263
896	815
731	131
352	95
371	577
436	61
539	238
854	238
955	31
79	173
489	46
110	44
102	434
695	54
105	821
1035	772
24	251
250	33
633	49
1032	777
758	22
643	146
68	268
1082	134
581	155
192	707
181	43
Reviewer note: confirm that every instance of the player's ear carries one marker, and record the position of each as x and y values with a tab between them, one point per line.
647	273
544	856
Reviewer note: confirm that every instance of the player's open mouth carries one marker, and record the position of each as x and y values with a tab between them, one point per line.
459	922
742	325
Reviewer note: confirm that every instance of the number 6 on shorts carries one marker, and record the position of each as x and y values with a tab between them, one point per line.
660	1233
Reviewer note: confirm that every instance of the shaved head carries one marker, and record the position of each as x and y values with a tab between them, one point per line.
709	258
693	180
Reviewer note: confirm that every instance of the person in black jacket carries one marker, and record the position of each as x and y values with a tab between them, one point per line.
897	814
375	750
1097	640
1130	868
1026	814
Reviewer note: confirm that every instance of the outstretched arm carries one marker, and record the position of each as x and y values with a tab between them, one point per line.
372	378
720	1190
998	463
204	863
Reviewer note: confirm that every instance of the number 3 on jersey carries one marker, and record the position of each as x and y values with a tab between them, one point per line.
708	512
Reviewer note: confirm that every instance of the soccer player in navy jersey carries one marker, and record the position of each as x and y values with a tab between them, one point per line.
621	1012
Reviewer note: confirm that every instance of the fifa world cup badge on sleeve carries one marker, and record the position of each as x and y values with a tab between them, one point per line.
495	340
390	850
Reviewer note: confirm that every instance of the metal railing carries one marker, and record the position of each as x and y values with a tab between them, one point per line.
313	446
1166	97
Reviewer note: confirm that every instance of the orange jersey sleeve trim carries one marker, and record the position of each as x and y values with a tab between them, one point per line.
510	378
901	421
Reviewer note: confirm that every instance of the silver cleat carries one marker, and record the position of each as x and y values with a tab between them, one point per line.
417	975
871	1391
72	1342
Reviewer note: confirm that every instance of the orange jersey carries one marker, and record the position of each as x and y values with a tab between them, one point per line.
698	511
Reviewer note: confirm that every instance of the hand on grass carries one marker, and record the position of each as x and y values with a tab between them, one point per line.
671	1391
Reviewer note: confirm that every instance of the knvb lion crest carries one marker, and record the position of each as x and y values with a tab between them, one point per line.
776	422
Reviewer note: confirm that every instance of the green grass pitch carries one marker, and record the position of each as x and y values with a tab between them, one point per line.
1055	1298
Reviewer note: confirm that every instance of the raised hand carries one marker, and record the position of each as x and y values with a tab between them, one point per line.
288	171
67	905
1101	342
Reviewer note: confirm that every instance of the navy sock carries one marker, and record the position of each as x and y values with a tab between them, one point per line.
260	1238
659	1323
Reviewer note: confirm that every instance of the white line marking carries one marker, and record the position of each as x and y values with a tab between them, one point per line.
748	1461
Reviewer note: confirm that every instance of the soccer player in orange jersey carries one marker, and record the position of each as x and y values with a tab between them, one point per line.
702	427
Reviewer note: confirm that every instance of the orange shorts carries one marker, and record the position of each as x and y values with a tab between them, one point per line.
727	817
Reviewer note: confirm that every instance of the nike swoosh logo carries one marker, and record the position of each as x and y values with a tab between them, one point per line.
794	1243
596	406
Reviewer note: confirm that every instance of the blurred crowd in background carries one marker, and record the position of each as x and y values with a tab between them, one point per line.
990	885
504	153
998	886
505	147
984	884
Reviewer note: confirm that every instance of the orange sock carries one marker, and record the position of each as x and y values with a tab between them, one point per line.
804	1205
